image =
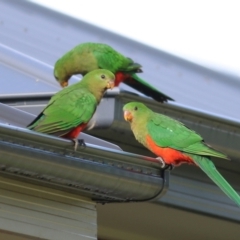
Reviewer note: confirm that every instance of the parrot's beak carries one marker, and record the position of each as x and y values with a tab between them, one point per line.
64	84
128	116
110	84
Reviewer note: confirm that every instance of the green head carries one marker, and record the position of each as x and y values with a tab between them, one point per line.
60	73
134	110
98	81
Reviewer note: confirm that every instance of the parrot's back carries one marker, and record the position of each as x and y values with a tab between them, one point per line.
86	57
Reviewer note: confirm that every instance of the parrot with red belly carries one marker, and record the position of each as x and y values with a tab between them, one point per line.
88	56
175	144
70	109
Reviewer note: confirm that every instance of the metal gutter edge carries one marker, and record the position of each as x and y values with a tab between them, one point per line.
95	172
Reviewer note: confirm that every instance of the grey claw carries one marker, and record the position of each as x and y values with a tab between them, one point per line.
164	165
82	143
78	142
161	161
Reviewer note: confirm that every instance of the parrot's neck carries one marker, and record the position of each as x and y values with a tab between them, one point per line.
99	94
97	91
139	129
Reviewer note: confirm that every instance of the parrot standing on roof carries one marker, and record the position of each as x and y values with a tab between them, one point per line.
86	57
70	109
174	143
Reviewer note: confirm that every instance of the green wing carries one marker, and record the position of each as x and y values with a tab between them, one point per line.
167	132
65	112
112	60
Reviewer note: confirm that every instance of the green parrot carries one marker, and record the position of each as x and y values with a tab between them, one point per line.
174	143
86	57
70	109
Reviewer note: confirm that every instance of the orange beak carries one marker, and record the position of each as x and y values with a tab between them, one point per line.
110	84
128	116
64	84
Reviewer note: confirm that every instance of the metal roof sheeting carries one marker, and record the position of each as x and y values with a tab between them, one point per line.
46	35
206	100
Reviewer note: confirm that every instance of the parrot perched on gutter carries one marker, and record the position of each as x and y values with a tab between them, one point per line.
174	143
86	57
70	109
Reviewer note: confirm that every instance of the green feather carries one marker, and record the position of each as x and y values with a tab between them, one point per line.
74	105
67	112
208	167
88	56
112	60
169	133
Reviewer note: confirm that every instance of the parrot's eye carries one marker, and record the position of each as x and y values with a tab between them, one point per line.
103	76
135	108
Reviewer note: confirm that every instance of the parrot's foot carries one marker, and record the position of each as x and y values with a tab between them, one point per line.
164	165
82	143
161	161
169	167
79	142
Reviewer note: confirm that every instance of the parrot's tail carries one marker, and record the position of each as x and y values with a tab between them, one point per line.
209	168
145	88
